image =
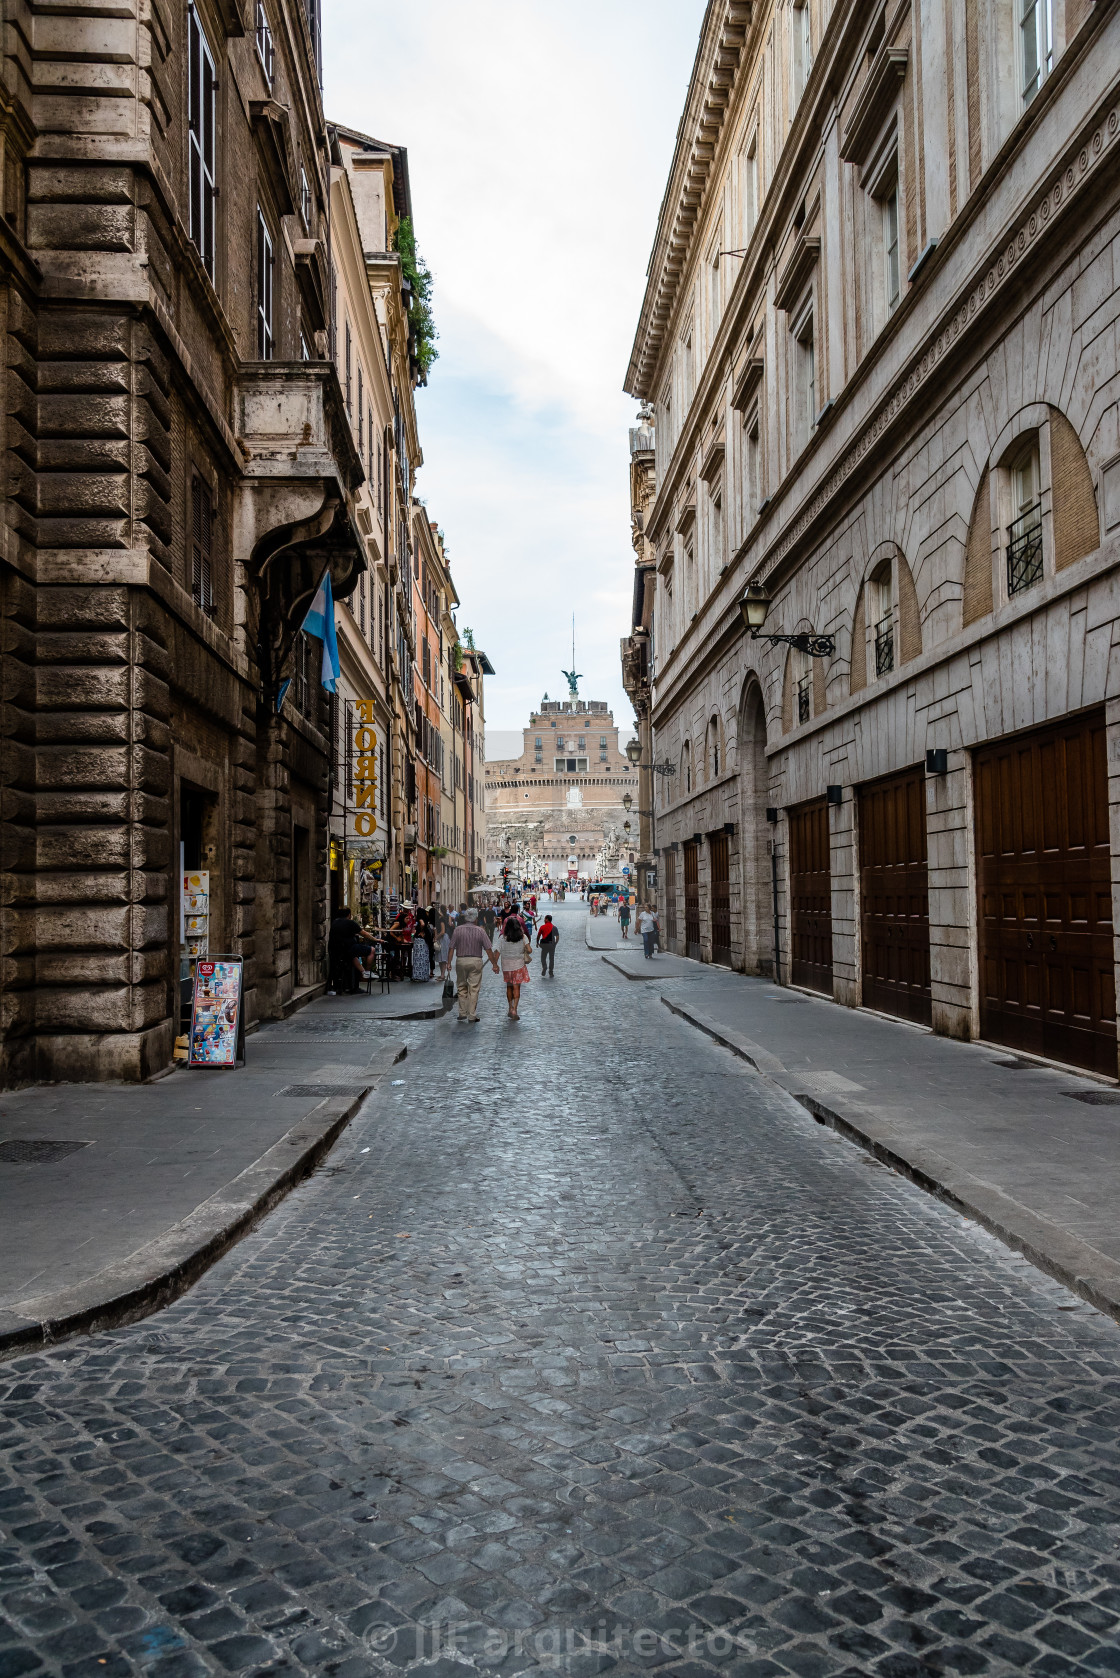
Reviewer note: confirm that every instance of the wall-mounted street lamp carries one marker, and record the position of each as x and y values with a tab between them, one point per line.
634	753
754	606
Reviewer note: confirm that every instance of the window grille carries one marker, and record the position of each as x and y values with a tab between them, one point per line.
884	647
1024	550
202	568
804	700
203	84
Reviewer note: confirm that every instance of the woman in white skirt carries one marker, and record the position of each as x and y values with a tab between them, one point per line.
515	950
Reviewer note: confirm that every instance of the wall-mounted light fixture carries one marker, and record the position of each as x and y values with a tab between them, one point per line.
937	762
753	608
835	795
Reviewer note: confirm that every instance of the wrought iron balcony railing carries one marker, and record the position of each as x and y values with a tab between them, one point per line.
884	647
1024	550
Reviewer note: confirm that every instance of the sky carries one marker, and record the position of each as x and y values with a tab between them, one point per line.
539	142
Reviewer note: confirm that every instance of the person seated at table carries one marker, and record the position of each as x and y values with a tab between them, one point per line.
349	946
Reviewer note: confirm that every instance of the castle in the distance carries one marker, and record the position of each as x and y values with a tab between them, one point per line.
562	797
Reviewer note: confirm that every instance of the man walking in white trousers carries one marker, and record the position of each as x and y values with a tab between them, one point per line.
469	944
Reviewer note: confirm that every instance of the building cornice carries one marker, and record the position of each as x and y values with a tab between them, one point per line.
722	39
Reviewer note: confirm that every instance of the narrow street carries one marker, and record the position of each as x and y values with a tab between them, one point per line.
584	1350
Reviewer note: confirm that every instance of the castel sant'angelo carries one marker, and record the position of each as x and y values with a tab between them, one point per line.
562	797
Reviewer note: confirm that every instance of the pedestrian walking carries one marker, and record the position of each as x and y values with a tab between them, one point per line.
515	949
624	918
468	949
547	939
647	926
422	949
445	932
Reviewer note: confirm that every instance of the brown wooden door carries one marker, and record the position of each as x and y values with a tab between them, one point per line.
1044	889
692	900
810	897
721	898
894	896
669	861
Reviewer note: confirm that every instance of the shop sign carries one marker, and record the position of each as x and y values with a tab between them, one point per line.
365	769
216	1033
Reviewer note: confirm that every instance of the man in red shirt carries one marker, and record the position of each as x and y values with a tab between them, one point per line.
547	939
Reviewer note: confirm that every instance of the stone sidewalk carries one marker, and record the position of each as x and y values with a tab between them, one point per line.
115	1198
1030	1151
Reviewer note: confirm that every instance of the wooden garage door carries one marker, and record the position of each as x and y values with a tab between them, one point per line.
810	894
894	896
692	900
721	898
1045	894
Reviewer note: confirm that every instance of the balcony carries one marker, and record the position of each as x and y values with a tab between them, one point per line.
1024	550
294	515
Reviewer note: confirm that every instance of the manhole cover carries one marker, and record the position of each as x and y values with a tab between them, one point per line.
36	1150
1095	1098
320	1090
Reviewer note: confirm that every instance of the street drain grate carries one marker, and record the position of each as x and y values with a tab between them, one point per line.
1095	1098
36	1150
320	1090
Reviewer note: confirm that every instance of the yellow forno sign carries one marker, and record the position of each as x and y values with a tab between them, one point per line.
365	769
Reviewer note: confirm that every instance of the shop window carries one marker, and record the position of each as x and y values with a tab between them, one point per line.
202	78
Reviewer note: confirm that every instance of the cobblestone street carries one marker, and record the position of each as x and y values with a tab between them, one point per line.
584	1350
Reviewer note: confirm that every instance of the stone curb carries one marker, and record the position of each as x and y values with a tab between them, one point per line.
1071	1261
165	1268
670	978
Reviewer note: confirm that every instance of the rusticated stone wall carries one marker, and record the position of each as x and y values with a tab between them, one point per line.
123	359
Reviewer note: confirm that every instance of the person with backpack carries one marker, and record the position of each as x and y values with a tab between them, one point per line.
547	939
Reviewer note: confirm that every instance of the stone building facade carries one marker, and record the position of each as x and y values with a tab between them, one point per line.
880	342
180	473
561	798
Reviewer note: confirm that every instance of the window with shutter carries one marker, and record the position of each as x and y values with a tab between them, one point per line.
202	525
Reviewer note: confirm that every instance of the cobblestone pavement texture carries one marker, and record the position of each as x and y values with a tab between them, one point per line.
588	1351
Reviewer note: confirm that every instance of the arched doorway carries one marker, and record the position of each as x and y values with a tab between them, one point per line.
755	903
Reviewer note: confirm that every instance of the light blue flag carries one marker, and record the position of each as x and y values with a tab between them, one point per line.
320	623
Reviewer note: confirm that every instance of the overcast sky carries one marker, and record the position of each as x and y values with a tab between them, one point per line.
539	140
